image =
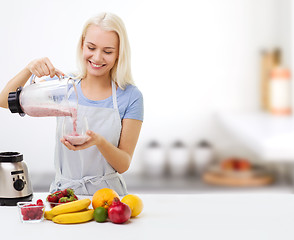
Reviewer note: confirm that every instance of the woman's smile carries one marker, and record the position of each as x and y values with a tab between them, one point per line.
96	66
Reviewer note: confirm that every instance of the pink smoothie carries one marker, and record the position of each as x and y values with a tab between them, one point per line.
46	111
74	138
74	116
77	140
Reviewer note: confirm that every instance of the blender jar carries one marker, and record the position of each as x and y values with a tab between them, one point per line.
45	98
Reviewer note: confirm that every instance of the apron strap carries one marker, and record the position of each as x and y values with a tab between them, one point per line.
114	99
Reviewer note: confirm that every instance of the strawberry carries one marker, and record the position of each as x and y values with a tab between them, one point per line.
58	194
24	211
31	214
67	199
40	202
38	213
63	196
63	200
64	192
68	192
52	198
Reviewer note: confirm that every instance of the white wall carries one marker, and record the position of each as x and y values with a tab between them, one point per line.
191	59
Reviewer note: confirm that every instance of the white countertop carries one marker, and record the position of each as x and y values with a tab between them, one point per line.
175	216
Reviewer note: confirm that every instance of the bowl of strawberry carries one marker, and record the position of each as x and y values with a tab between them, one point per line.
30	212
60	197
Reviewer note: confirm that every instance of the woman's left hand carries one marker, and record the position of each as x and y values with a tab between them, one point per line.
93	140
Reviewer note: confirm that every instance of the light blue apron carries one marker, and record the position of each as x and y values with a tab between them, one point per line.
86	171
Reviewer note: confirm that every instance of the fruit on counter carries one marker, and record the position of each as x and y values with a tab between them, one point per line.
49	215
69	207
75	217
39	202
67	199
32	211
135	203
63	196
68	196
119	212
236	164
103	198
54	197
100	214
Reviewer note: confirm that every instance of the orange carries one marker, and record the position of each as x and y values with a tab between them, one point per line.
103	198
135	203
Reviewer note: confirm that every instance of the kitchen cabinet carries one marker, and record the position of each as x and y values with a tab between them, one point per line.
174	216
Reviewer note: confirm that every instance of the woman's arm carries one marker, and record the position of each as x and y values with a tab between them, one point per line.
40	67
118	157
18	81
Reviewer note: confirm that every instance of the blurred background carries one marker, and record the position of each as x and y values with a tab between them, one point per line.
216	81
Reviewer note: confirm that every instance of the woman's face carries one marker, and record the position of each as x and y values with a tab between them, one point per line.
100	51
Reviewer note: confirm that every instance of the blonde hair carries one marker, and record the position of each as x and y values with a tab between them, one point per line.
121	71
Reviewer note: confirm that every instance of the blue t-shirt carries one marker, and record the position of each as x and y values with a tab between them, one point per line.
129	101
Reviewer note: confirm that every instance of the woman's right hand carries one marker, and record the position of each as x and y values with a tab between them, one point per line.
43	67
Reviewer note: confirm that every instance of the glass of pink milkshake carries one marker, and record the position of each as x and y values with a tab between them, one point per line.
74	130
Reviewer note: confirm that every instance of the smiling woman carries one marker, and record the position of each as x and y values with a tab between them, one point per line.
109	101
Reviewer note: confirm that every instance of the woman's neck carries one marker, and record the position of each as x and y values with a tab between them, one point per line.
96	88
97	82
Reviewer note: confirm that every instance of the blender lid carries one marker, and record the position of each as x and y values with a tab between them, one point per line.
11	157
13	102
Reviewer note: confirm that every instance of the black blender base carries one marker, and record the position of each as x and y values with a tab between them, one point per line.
14	201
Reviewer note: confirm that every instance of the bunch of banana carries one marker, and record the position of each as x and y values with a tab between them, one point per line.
71	212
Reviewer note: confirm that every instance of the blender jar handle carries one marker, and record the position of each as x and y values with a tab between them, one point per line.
33	77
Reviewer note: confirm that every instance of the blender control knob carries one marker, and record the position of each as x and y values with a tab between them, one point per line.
18	185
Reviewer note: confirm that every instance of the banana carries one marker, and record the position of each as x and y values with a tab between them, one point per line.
48	215
75	217
70	207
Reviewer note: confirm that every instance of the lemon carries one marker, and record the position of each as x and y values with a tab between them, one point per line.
134	202
100	214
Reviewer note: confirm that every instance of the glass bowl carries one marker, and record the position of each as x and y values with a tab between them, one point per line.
52	204
29	212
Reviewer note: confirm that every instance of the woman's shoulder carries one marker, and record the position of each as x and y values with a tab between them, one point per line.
131	91
132	100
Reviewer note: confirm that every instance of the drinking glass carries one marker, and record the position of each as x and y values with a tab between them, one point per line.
74	130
